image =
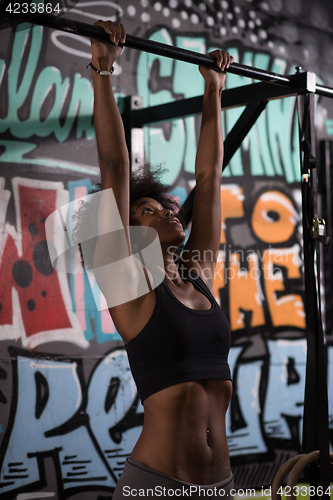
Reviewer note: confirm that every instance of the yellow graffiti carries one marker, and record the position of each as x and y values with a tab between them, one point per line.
265	226
245	292
260	279
288	310
219	277
231	205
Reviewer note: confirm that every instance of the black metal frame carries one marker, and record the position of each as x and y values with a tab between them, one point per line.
315	422
326	192
255	97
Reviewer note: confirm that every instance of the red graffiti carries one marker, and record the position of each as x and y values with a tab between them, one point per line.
31	274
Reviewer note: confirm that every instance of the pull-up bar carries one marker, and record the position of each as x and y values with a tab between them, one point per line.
134	42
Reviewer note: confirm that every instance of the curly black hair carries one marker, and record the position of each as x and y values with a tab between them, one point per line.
145	181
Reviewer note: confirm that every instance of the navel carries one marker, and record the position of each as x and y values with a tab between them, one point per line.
207	436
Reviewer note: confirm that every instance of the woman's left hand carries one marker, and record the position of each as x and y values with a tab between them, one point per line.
223	61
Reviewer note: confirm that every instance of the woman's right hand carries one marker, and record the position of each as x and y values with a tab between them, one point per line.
104	53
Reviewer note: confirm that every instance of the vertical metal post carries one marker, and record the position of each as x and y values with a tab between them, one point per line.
326	191
315	423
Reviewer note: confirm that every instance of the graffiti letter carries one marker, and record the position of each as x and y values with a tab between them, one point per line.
245	292
231	205
49	395
157	91
35	301
288	309
285	389
114	416
274	217
245	437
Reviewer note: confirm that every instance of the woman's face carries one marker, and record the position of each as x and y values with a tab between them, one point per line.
149	212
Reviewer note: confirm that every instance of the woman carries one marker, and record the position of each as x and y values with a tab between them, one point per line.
176	336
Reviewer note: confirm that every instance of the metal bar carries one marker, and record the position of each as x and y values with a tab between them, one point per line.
315	419
241	128
145	45
134	42
231	98
87	30
324	91
179	108
326	183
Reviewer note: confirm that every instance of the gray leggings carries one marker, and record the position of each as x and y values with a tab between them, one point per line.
154	484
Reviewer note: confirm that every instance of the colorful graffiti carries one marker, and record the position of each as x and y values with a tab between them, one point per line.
70	413
88	429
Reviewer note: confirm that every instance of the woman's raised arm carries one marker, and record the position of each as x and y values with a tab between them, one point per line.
110	135
114	203
204	239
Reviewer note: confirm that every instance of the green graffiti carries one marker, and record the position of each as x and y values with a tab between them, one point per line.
49	80
17	94
282	131
329	127
183	74
272	143
235	167
256	141
158	149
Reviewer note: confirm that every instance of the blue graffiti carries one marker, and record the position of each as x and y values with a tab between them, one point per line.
89	431
285	389
50	420
243	433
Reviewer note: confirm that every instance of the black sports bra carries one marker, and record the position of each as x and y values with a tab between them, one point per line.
179	344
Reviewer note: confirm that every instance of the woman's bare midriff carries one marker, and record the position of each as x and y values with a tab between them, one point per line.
184	433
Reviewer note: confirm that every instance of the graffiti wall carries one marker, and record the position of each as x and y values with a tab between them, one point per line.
70	414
